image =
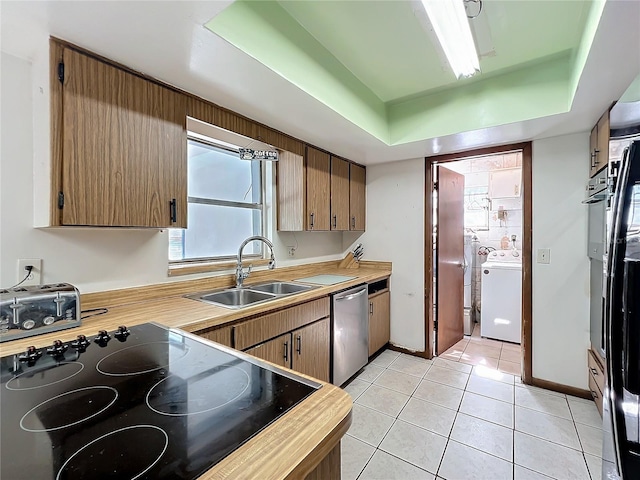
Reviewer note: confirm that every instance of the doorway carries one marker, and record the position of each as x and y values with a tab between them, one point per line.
474	211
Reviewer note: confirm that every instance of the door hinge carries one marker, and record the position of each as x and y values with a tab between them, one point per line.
60	200
435	185
61	72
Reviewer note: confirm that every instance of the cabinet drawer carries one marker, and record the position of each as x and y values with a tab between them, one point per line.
596	393
219	335
595	370
260	329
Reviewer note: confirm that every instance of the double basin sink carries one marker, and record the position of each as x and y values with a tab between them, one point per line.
250	295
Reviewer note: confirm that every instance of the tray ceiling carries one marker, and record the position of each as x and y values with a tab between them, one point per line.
375	63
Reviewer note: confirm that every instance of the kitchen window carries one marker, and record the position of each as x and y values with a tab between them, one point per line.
225	204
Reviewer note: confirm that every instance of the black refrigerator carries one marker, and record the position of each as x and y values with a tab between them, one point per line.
621	403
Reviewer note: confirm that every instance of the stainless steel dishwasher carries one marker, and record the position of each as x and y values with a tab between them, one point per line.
350	333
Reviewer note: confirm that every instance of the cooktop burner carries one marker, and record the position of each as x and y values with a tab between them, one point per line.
145	402
130	463
35	378
141	359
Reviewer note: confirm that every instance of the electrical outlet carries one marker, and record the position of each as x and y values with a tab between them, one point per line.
291	251
544	255
36	273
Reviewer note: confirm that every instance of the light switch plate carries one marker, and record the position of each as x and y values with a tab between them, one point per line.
544	256
35	275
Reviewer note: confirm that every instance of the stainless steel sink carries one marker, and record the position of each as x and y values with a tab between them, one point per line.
280	288
234	297
251	294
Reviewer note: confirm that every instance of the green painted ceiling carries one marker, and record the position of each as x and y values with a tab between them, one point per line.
374	62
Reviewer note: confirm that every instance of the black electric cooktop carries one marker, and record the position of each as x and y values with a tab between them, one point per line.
144	402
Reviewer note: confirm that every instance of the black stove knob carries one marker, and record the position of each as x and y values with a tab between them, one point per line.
103	338
58	348
80	343
31	355
122	333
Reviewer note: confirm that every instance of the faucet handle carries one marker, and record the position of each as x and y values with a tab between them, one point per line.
272	262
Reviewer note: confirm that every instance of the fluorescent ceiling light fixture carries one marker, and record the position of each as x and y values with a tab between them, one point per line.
450	24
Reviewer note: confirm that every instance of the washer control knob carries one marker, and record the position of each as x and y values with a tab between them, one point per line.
48	320
80	343
31	355
122	333
58	348
28	324
103	338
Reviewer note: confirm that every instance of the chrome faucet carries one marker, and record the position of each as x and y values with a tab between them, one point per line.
240	274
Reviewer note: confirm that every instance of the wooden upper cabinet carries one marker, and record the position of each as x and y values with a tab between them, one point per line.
124	148
318	185
599	145
357	198
339	194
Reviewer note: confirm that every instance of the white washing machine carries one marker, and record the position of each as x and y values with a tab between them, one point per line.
501	296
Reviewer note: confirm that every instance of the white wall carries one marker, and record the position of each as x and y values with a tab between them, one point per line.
90	258
395	232
561	289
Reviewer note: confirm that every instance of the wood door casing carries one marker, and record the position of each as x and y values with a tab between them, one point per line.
124	152
276	351
357	197
450	259
379	321
312	349
339	194
318	188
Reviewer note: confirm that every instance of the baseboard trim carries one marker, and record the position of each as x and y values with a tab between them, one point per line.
559	387
395	348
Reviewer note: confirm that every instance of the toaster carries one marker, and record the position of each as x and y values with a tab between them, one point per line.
37	309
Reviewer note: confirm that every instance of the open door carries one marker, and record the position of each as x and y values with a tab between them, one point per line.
449	259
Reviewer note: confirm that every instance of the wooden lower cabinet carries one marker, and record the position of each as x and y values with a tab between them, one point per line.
276	351
596	378
311	350
218	335
305	350
379	321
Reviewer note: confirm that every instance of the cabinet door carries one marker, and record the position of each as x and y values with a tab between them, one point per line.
339	194
311	350
318	185
357	193
505	183
593	149
602	158
290	186
276	351
124	153
379	321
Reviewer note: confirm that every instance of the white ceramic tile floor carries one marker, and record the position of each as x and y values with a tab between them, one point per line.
415	419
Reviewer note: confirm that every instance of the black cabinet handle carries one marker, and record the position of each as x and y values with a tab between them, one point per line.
335	221
286	351
370	308
173	210
311	221
353	222
594	371
299	347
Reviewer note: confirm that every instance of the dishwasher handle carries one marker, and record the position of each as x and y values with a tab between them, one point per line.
351	296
